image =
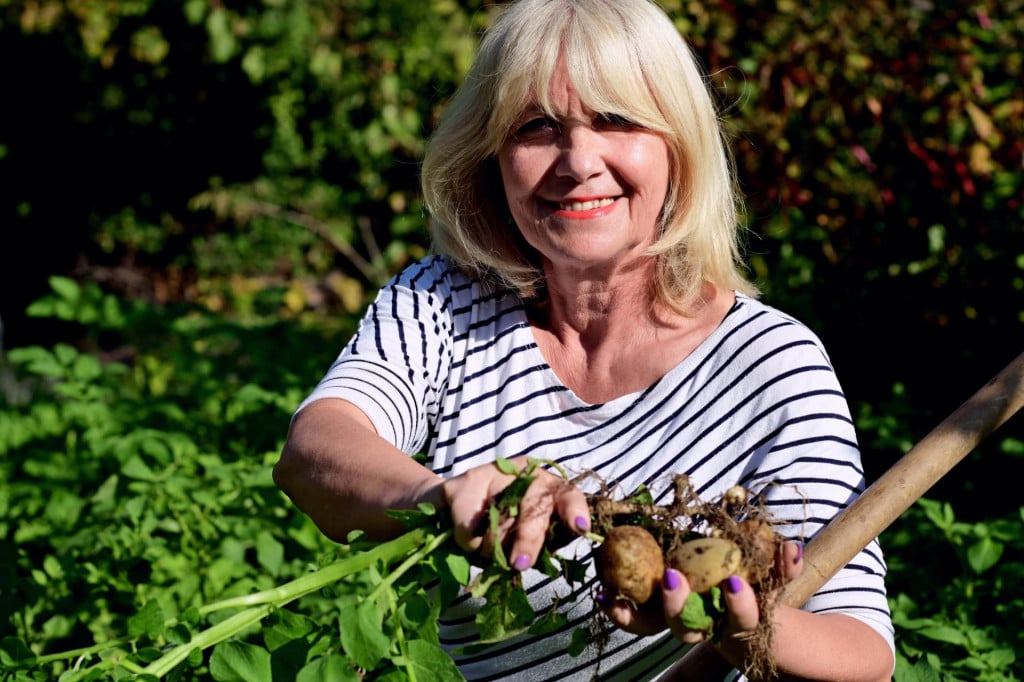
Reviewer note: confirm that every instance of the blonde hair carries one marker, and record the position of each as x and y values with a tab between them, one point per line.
624	57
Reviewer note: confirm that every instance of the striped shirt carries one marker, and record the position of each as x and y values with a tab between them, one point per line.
446	366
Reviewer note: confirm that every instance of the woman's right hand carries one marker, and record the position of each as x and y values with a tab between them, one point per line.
470	495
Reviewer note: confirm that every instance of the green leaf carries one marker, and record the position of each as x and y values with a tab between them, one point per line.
509	498
269	552
332	667
422	516
418	615
149	621
284	626
233	661
551	621
506	466
923	671
429	663
641	495
136	469
507	611
694	615
547	564
38	361
1000	659
944	633
15	654
178	634
190	616
494	522
362	635
65	287
579	641
458	567
984	554
575	570
486	580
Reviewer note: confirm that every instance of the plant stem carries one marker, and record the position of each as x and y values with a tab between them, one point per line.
325	576
84	651
212	635
410	561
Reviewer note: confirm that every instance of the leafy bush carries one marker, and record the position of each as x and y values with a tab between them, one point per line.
967	624
143	484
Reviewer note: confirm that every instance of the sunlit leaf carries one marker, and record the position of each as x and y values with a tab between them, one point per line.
361	634
240	662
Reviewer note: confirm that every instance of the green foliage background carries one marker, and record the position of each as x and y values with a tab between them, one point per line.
228	182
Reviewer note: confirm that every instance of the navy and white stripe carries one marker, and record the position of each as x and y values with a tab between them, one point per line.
442	365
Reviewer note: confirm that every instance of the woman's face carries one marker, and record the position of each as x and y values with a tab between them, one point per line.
585	189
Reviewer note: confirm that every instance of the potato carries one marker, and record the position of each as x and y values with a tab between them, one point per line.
706	562
630	564
764	548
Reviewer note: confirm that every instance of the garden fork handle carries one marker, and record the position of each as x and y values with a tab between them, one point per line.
882	503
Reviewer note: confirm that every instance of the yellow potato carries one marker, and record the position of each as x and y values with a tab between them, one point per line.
706	562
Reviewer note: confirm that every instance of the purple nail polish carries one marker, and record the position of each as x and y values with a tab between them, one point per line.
582	524
522	562
672	580
799	552
602	598
733	584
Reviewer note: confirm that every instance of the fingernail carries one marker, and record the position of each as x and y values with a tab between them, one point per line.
733	584
582	524
521	563
602	598
799	552
672	580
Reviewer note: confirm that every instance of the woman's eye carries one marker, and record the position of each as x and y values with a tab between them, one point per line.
536	126
616	121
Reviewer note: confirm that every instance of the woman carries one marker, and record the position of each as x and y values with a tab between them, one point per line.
587	306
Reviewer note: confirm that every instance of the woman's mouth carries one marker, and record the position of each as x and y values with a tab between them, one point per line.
587	205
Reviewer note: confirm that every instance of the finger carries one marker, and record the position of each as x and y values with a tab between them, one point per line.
469	523
647	620
791	560
675	590
469	497
741	605
572	508
531	525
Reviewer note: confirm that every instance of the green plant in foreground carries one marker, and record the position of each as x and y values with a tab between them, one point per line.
388	596
391	620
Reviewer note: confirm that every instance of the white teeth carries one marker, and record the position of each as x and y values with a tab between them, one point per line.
586	205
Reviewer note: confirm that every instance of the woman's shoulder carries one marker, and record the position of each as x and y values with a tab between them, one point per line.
756	311
753	321
430	272
437	277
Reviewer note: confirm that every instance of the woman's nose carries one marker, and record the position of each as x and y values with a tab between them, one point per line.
580	153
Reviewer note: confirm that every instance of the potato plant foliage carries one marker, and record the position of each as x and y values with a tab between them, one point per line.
239	178
143	538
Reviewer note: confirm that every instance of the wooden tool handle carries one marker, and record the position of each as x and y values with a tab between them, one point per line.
882	503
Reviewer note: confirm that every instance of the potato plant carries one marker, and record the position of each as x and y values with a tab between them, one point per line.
388	623
387	597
